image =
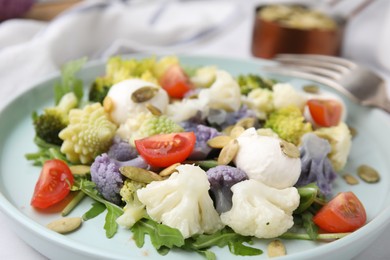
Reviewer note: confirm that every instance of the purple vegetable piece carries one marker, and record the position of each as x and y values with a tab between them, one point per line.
121	150
315	164
222	119
14	8
203	134
105	174
222	178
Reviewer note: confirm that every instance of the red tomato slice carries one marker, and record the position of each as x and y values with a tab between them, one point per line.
325	113
53	184
344	213
166	149
175	82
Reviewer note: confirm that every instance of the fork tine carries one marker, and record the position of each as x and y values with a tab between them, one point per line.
315	70
291	72
329	62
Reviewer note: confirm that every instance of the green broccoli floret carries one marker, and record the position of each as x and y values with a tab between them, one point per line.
88	134
289	124
251	81
49	124
154	125
134	209
98	90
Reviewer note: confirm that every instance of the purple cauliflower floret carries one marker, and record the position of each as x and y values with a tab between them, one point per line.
315	164
203	134
105	174
222	178
121	150
222	119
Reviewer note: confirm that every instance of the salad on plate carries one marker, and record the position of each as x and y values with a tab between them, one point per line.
196	158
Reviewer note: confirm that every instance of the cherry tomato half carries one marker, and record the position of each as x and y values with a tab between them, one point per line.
166	149
344	213
53	184
325	113
175	82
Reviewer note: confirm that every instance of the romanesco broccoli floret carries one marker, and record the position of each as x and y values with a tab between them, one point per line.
251	81
49	124
156	125
289	124
134	209
88	134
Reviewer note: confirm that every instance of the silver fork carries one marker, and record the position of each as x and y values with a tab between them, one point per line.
356	82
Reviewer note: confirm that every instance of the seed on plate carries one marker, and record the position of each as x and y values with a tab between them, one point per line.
65	225
108	104
219	142
353	131
143	94
246	122
154	110
276	248
227	130
289	149
80	169
236	131
368	174
139	174
351	180
169	170
311	89
228	152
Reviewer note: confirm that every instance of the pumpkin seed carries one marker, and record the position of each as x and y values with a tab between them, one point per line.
246	122
108	104
80	169
368	174
169	170
236	131
143	94
276	248
311	89
65	225
227	130
289	149
353	131
228	152
351	180
154	110
219	142
139	174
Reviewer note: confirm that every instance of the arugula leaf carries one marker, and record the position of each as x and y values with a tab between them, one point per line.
46	152
308	224
97	209
113	211
69	82
160	234
238	248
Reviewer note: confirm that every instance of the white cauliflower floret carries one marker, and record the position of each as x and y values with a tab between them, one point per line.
132	125
260	100
261	211
122	106
224	93
186	108
340	140
285	95
182	202
204	76
262	159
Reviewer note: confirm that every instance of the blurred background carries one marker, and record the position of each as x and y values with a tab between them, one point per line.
37	37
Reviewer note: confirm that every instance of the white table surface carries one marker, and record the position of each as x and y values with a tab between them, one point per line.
362	33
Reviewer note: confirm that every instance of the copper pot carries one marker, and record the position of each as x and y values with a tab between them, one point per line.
270	38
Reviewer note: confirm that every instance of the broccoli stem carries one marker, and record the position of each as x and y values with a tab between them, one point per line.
73	203
325	236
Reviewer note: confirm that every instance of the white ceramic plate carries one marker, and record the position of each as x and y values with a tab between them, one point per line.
18	177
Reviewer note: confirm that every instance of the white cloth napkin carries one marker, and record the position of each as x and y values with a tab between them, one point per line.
100	28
